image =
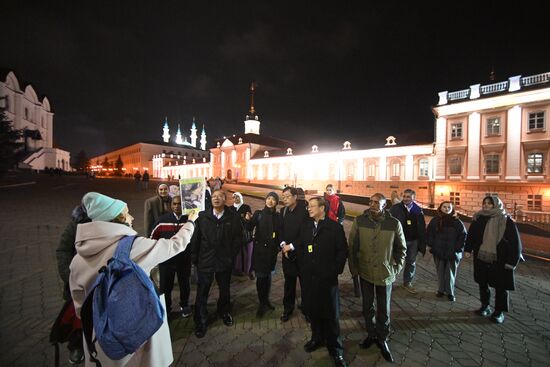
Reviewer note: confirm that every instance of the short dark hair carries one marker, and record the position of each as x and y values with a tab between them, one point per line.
380	196
293	190
409	191
320	201
329	185
220	190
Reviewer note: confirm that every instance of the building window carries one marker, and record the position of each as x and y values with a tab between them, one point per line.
455	165
534	163
454	198
371	170
493	126
456	130
396	169
26	114
492	164
423	167
534	202
536	120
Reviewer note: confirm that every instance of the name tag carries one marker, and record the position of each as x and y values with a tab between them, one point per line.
310	248
409	222
273	234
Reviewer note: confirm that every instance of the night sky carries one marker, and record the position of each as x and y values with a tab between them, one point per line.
325	73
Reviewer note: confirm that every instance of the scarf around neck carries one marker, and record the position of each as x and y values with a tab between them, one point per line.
494	230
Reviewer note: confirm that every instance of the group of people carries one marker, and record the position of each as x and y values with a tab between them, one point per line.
314	249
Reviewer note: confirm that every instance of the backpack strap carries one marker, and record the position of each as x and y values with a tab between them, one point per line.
122	252
88	326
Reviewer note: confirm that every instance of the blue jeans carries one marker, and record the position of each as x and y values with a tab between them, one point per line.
410	261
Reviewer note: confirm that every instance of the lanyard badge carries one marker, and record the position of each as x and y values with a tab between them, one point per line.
310	248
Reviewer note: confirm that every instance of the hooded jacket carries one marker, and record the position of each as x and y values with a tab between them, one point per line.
95	245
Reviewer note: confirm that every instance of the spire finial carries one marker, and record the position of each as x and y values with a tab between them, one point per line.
252	89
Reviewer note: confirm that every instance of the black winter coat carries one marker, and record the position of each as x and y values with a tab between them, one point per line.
508	252
267	224
447	243
400	212
293	221
216	242
321	255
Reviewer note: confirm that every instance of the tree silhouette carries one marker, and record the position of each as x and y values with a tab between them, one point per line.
10	146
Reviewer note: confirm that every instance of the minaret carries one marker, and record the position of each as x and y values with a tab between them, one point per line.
178	136
252	122
203	139
166	131
194	134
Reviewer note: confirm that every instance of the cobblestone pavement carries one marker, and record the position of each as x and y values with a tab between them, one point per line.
427	331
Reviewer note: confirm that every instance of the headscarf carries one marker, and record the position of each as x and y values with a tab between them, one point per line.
237	206
494	229
102	207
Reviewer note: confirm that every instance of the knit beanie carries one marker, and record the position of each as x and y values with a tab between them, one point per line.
101	207
274	195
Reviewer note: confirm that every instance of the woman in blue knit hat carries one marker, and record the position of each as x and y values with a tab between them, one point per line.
266	224
95	244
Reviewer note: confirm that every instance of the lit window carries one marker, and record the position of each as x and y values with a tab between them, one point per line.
396	169
456	130
372	170
454	197
423	167
493	126
492	163
534	202
455	165
536	120
534	163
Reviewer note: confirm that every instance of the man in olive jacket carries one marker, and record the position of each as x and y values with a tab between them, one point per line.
377	255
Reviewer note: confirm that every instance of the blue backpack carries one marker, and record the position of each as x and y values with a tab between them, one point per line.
122	306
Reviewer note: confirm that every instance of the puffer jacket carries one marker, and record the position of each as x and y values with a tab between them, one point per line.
448	242
378	248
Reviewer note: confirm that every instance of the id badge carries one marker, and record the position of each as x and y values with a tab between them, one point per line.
409	222
273	234
310	248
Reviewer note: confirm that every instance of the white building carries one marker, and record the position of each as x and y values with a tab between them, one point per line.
35	117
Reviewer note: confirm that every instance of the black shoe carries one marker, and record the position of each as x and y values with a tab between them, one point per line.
385	350
76	356
366	344
200	331
312	345
262	310
451	298
439	294
339	361
497	317
483	311
270	306
285	316
227	319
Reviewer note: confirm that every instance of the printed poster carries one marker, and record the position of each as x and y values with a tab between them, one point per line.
192	191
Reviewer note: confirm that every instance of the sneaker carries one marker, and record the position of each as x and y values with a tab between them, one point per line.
409	288
186	311
483	311
76	356
497	317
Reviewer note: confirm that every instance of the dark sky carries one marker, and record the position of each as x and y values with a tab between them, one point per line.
325	73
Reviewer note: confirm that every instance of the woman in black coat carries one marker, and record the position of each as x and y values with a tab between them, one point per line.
243	260
494	239
446	237
267	224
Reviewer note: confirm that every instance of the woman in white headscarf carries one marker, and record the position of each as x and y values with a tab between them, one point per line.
494	238
243	260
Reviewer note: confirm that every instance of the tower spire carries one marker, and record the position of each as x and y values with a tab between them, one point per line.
252	89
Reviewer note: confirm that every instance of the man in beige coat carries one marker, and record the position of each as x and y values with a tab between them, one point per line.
155	207
95	245
377	254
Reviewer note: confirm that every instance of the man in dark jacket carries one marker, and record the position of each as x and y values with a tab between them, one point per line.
155	207
321	253
215	243
65	252
412	220
166	227
294	215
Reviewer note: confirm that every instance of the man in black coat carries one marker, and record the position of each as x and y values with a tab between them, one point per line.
215	243
294	215
412	220
321	253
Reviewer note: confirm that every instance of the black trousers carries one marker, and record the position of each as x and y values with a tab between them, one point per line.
180	265
203	289
501	296
289	298
378	326
263	287
328	331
